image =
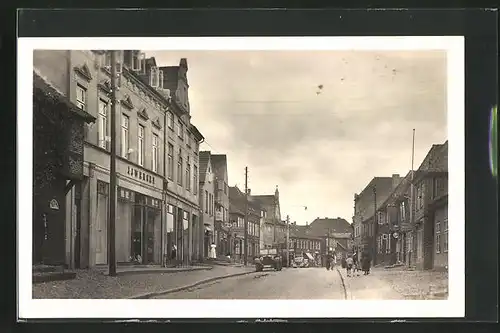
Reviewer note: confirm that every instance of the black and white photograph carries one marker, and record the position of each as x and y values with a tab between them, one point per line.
310	174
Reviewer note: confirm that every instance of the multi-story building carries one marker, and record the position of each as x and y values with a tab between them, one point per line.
431	209
366	204
157	157
237	208
221	192
394	224
303	242
274	230
58	164
334	232
207	208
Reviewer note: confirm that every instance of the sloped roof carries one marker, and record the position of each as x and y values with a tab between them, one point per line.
301	231
267	200
42	85
436	159
400	190
340	235
204	160
321	226
219	164
237	202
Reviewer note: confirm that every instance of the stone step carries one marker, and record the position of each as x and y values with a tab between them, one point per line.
40	277
46	268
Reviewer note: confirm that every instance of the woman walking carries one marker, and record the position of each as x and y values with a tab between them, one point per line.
366	262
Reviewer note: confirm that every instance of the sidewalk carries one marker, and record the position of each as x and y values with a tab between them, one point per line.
94	283
396	284
416	284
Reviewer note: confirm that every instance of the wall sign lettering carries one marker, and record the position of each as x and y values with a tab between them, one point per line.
138	174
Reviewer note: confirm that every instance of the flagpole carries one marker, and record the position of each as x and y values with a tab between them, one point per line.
412	194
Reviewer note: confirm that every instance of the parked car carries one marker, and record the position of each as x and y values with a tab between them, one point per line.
268	259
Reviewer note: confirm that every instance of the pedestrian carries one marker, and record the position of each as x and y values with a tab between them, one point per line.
355	264
348	265
173	254
213	254
366	262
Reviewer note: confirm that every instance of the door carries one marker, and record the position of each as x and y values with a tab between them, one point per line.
101	251
137	227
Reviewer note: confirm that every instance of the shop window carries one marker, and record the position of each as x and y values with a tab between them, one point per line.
445	235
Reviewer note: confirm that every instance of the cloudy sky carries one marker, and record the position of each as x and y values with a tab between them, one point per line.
261	108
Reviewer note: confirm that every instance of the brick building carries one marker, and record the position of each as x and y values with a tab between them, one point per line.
273	229
206	203
303	242
221	203
157	162
366	204
237	220
431	209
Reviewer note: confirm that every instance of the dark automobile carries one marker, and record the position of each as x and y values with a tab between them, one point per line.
268	259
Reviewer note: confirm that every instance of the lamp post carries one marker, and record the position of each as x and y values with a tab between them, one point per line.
112	172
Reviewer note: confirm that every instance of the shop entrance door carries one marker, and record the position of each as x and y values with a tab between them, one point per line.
101	251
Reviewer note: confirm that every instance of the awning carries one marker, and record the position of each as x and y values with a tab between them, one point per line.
309	256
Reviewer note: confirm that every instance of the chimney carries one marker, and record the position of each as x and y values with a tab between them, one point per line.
249	191
395	180
307	224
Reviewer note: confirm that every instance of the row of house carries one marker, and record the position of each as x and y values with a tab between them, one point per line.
321	236
404	220
168	191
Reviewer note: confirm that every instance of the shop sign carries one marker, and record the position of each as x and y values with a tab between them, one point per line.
140	175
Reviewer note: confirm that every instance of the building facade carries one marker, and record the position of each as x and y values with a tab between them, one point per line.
394	225
221	192
366	205
274	230
237	220
304	243
58	166
431	210
207	208
157	155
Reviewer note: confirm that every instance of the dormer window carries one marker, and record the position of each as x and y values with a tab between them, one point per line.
138	61
160	79
154	77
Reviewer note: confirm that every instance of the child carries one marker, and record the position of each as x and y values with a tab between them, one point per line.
349	264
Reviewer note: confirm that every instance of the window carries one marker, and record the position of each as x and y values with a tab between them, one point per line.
160	79
138	61
180	129
154	77
125	136
81	97
387	243
206	201
170	120
155	153
103	124
140	146
445	235
188	174
438	237
195	180
420	237
170	161
179	168
402	211
188	139
420	196
225	188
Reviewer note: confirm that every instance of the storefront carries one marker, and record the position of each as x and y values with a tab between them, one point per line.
138	213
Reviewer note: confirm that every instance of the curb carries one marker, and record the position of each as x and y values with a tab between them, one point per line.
160	270
343	283
174	290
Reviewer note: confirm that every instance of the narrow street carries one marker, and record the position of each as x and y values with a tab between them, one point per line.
309	283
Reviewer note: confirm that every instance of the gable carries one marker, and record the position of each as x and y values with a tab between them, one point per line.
84	72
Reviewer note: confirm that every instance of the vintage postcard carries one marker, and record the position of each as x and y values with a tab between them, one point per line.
241	177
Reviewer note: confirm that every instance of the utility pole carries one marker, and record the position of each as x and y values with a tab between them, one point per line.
375	225
246	218
287	241
112	173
